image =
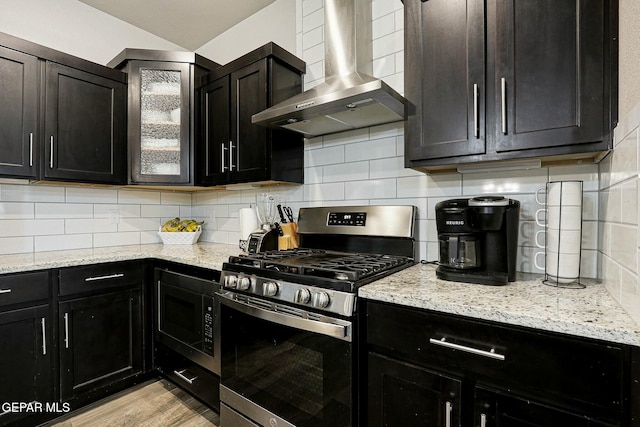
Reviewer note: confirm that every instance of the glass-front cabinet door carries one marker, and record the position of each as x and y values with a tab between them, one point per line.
162	114
160	150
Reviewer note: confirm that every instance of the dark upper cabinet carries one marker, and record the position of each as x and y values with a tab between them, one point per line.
234	150
62	118
85	117
497	79
163	116
19	129
445	78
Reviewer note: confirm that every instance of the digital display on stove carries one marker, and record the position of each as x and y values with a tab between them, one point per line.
357	219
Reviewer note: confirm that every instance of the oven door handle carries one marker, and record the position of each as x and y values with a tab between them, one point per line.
336	330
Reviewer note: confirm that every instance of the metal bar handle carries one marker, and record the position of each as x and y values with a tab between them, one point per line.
222	156
335	330
483	420
231	165
5	291
476	130
44	336
181	376
108	276
447	414
66	330
51	153
503	86
30	149
444	343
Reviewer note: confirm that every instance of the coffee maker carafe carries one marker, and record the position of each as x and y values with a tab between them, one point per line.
478	239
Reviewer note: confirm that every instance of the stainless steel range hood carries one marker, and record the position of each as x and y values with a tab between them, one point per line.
349	98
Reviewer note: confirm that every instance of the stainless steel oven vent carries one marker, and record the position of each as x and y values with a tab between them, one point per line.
349	98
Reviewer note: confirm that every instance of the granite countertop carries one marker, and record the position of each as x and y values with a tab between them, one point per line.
206	255
590	312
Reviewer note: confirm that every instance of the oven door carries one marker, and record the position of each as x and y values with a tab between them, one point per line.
283	366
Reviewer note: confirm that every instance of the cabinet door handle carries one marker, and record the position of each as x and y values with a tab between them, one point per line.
476	131
444	343
44	336
483	420
181	375
503	87
51	152
66	330
5	291
30	149
222	156
447	414
108	276
231	165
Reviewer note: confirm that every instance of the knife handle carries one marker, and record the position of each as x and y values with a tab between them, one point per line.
281	213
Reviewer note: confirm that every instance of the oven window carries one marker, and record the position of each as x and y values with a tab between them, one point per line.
303	377
181	315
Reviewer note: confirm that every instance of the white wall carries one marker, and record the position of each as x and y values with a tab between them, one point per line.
75	28
276	23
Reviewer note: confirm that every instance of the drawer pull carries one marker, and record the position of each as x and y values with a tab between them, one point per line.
5	291
109	276
181	375
444	343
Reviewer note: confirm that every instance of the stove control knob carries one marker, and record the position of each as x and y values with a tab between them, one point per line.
302	296
269	289
230	282
321	300
244	283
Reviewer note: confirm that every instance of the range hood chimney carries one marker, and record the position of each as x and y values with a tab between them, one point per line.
349	98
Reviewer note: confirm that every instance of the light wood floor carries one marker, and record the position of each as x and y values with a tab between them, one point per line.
154	404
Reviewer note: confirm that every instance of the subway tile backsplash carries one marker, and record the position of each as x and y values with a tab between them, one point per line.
364	166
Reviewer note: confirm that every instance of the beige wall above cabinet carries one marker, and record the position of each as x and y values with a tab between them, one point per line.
497	80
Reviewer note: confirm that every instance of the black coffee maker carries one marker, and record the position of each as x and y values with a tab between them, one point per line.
478	239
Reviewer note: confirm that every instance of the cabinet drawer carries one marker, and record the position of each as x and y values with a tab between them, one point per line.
558	369
23	287
100	276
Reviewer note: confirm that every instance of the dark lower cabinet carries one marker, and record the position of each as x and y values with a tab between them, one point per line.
401	394
26	347
100	341
499	409
100	324
25	360
425	368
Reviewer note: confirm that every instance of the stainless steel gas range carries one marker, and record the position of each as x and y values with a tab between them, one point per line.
288	317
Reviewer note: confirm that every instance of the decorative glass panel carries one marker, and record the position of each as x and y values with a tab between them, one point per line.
160	122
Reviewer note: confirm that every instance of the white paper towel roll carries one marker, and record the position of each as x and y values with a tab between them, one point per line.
248	222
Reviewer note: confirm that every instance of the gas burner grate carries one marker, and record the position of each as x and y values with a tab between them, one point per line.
321	263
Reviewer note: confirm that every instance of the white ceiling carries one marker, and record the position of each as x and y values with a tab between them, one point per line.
187	23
